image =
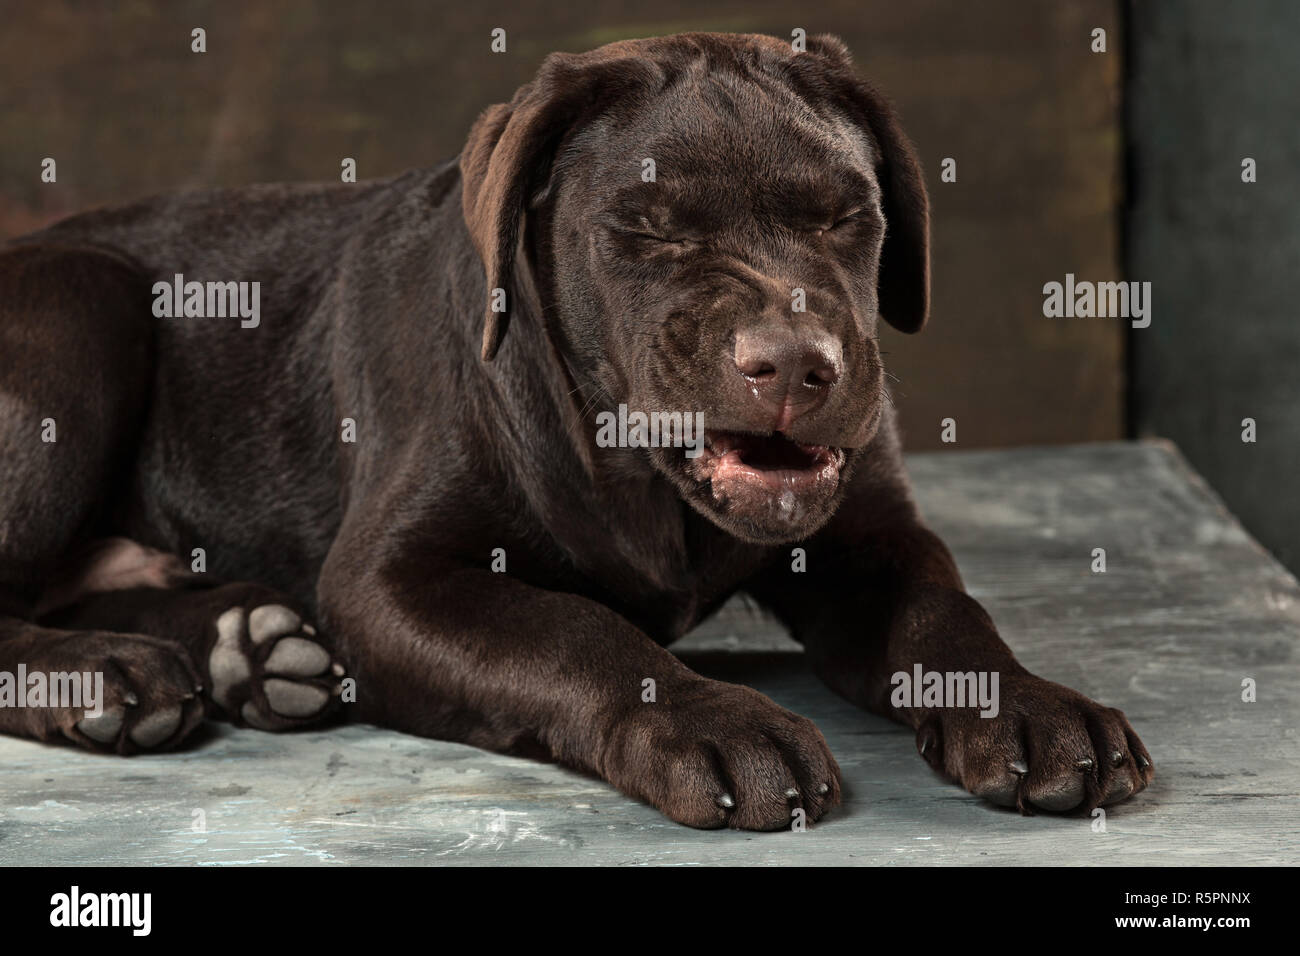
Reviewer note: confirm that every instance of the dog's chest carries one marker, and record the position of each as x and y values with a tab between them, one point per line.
668	597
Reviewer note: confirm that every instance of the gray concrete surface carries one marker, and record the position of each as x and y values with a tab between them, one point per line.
1190	605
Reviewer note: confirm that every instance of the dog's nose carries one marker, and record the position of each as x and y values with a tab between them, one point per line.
789	369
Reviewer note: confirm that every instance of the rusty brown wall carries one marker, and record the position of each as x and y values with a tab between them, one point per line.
1010	89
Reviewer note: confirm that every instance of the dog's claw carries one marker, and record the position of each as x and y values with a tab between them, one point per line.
1143	762
726	801
1116	758
130	699
791	793
824	788
1083	764
1019	767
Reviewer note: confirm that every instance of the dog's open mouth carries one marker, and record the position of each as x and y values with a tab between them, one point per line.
771	463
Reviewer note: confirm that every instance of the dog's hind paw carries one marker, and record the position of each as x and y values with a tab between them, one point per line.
269	670
146	692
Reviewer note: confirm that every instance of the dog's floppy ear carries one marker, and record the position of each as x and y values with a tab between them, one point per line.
508	154
904	282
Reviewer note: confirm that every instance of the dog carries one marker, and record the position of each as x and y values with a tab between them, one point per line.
384	497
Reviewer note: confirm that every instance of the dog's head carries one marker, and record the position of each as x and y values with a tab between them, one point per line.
714	224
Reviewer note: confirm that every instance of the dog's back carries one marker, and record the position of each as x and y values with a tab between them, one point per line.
285	248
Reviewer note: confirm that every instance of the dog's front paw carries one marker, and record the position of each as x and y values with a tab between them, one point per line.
269	669
1048	748
715	755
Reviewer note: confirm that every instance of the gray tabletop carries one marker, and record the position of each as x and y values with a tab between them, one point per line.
1189	607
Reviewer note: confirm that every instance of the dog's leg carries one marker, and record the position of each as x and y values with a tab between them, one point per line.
262	662
876	604
74	375
482	658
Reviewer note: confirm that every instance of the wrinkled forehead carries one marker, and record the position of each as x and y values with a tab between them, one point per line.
745	134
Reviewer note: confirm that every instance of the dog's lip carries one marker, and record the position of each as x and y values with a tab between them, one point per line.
769	460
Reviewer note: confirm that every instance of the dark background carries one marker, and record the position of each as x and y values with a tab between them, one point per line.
1067	161
1209	85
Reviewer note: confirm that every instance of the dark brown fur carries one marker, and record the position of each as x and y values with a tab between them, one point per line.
775	170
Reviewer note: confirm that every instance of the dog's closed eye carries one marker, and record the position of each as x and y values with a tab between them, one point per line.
653	237
645	229
854	217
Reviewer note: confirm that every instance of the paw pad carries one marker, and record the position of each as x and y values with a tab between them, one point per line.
267	667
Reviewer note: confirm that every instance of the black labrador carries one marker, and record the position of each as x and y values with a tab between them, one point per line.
506	428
